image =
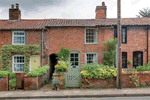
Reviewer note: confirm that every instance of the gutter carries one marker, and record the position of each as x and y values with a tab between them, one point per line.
42	45
147	42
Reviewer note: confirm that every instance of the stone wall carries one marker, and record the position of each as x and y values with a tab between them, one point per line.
4	83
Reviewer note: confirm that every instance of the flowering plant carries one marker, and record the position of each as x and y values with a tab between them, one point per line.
96	71
61	67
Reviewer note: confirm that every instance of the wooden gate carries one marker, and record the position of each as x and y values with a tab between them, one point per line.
73	77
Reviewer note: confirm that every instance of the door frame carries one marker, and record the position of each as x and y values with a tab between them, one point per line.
138	52
78	56
30	61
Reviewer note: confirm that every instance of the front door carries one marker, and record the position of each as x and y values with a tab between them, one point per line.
137	58
73	76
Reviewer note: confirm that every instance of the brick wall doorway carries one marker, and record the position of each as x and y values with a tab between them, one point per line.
53	62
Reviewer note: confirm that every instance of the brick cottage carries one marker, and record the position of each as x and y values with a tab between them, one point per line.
84	38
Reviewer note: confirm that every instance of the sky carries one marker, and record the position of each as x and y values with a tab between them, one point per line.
71	9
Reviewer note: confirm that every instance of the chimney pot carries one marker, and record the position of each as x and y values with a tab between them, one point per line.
12	6
103	3
17	6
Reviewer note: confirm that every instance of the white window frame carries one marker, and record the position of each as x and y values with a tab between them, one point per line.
96	33
17	63
17	36
91	53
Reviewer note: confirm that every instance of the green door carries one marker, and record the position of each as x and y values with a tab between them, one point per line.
73	76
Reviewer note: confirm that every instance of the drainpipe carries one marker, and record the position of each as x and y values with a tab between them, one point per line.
147	42
42	45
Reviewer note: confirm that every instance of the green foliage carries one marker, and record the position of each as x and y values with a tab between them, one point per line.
46	81
145	12
134	79
61	67
55	82
95	71
110	53
142	85
12	76
12	83
63	54
4	74
8	50
141	68
39	71
129	61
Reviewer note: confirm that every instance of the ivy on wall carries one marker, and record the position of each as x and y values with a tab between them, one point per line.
8	50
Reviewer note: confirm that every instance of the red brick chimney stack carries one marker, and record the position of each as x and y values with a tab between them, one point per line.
101	11
17	6
14	13
12	6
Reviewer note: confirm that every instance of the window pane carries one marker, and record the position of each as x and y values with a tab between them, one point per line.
91	35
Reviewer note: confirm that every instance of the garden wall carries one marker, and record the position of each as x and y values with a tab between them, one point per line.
143	78
98	82
35	82
4	83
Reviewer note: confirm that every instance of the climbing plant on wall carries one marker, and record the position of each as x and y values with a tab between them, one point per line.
110	53
8	50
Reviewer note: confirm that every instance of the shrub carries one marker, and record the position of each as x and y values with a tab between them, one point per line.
39	71
12	76
61	67
98	71
46	81
12	83
4	73
63	54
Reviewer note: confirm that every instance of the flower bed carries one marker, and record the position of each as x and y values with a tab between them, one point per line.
35	79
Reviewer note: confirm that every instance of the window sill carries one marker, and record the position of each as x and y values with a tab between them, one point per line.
18	44
18	72
91	43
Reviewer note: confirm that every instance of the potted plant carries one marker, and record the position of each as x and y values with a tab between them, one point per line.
61	67
129	61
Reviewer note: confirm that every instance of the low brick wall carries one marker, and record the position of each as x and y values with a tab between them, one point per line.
4	83
98	82
43	78
35	82
142	77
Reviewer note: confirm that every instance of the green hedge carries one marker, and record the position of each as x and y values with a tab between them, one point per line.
12	76
141	68
39	71
12	83
4	73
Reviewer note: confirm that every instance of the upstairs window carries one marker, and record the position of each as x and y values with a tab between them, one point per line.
18	37
123	34
90	35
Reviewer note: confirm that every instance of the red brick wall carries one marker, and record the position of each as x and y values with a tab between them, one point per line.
74	39
32	37
136	41
4	83
31	82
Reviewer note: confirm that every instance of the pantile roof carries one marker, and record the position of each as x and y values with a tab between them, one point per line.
41	23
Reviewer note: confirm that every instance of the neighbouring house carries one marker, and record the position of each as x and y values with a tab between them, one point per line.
84	38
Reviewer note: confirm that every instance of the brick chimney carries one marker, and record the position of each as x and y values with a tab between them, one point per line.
14	13
101	11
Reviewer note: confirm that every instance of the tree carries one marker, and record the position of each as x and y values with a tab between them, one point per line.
144	13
